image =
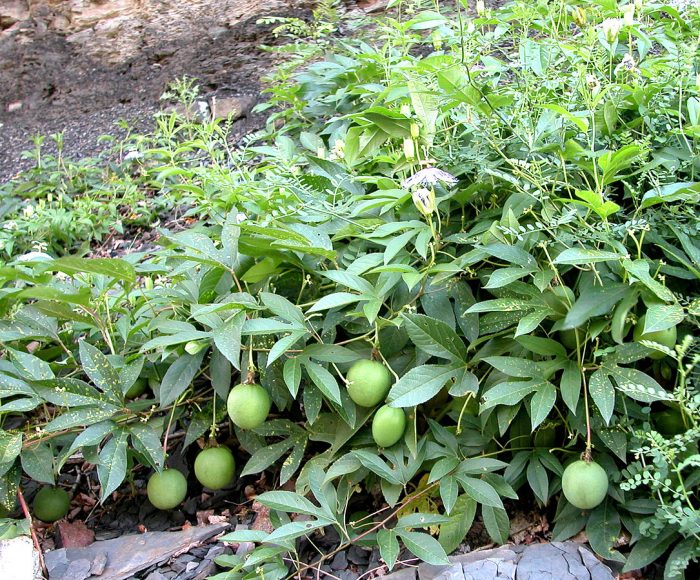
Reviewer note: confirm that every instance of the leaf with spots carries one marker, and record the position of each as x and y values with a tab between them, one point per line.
97	366
146	440
112	467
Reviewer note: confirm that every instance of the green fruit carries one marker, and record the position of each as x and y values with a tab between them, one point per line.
248	405
51	504
137	389
669	422
664	337
9	532
388	425
215	467
368	382
585	485
167	489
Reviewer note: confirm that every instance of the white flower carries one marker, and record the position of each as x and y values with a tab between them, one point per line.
611	28
628	14
133	155
430	176
627	64
241	217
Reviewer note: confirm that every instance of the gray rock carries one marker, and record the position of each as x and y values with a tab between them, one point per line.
231	107
554	561
340	561
156	575
125	556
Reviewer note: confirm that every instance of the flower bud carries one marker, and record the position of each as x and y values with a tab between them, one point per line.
415	130
424	200
611	29
409	148
628	14
480	8
580	16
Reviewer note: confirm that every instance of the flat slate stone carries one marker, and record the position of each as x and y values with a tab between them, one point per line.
553	561
123	557
19	560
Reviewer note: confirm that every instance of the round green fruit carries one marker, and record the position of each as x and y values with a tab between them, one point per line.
584	484
664	337
368	382
51	504
9	532
215	467
670	422
137	389
167	489
388	425
248	405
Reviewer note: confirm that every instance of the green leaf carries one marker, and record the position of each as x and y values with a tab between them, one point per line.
80	417
496	522
32	367
324	380
287	501
480	491
603	530
97	366
603	394
292	375
505	276
455	530
266	456
515	367
435	337
68	392
112	467
640	270
538	480
595	301
146	440
582	256
227	338
376	465
510	392
112	267
570	385
37	462
10	446
637	384
283	308
294	530
179	377
388	547
662	316
542	403
424	547
335	300
420	384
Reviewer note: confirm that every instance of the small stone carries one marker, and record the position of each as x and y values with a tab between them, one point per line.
15	106
74	535
232	107
358	556
340	561
156	575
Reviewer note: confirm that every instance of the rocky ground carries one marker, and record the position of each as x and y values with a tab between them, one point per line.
77	66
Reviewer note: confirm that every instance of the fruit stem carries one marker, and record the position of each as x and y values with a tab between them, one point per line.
37	547
250	375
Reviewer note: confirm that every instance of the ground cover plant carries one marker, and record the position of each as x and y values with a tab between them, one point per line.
459	268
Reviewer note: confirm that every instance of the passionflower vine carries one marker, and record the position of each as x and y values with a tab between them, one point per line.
429	176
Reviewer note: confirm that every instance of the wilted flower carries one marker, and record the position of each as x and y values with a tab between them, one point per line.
627	65
430	176
611	28
424	200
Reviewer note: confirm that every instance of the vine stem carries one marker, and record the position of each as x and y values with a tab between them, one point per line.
35	539
374	528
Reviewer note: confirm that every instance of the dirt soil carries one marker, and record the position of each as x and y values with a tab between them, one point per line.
79	66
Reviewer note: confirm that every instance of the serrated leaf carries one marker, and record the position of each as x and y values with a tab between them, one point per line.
435	337
421	384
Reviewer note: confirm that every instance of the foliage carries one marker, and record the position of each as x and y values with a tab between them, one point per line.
486	205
